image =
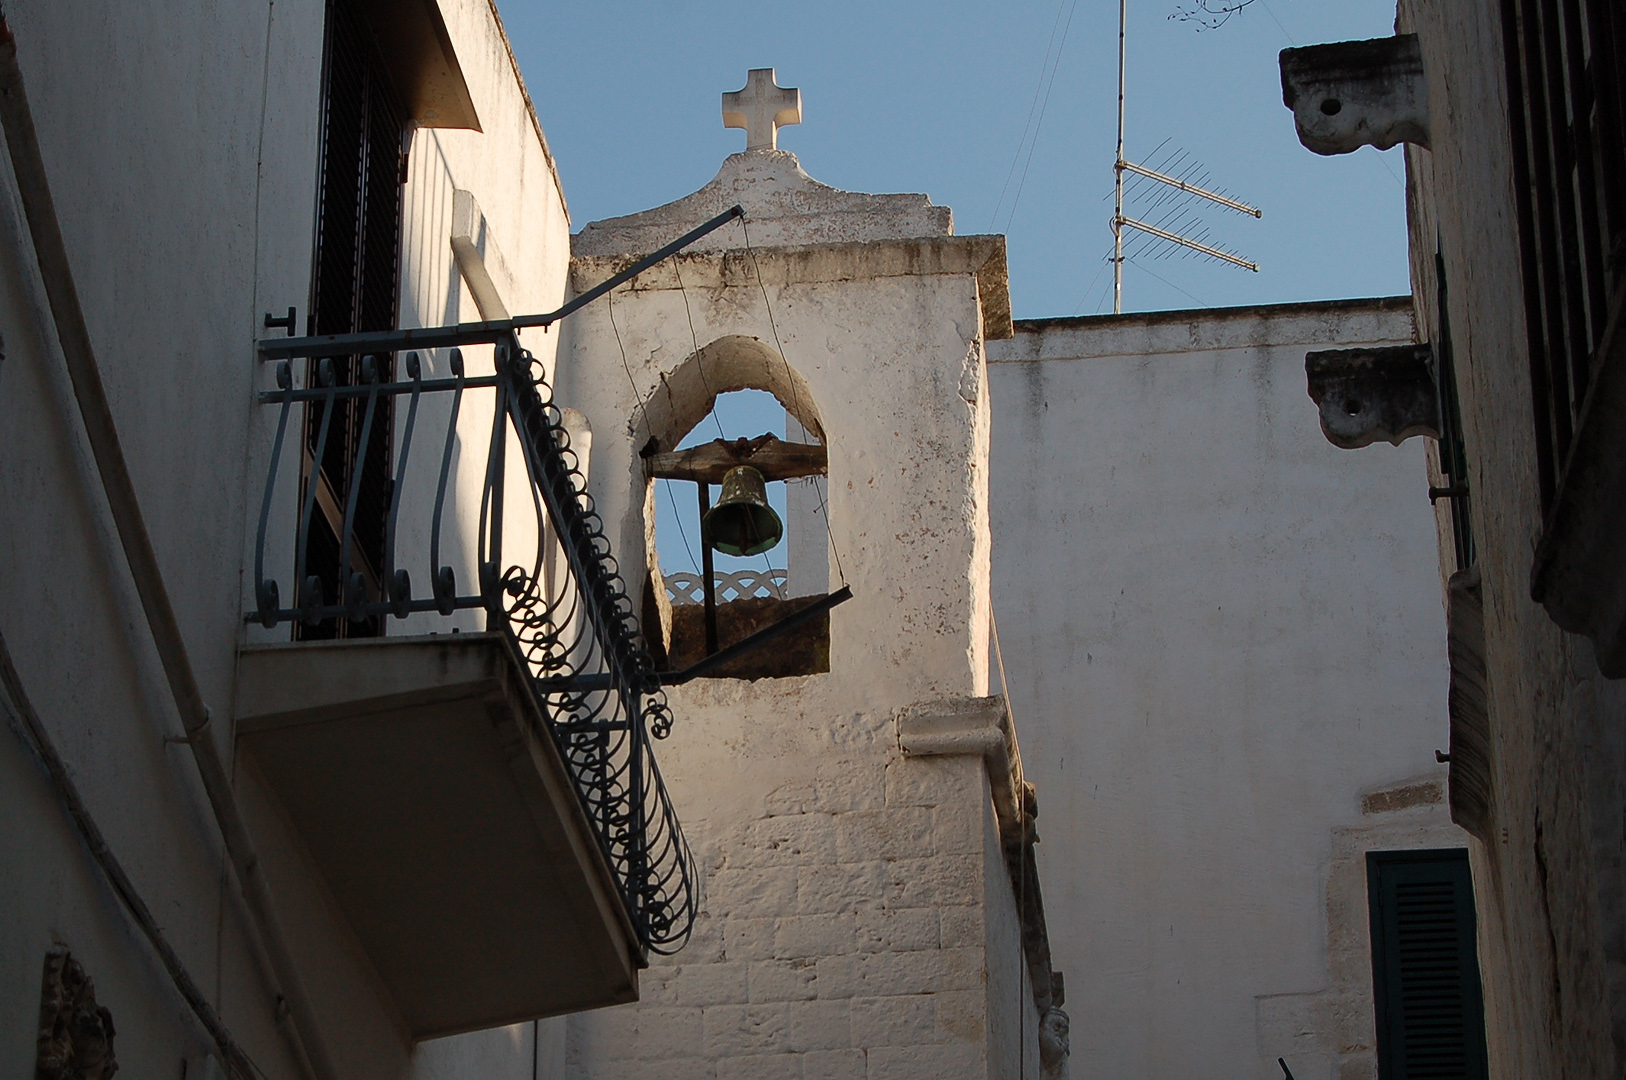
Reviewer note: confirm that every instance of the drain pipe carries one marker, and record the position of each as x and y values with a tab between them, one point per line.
34	187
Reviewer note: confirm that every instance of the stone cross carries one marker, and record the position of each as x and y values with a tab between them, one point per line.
762	108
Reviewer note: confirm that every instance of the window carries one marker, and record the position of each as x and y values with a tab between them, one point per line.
1565	112
354	287
1425	966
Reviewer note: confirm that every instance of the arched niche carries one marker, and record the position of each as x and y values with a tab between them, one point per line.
684	400
736	362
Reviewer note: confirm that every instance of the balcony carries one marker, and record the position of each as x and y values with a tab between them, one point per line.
469	767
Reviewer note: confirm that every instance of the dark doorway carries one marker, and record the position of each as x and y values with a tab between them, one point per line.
355	284
1425	966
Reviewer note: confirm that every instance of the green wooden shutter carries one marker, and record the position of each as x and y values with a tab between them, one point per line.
1425	966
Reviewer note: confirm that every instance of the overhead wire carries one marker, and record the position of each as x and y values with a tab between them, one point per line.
1028	124
1043	108
643	415
790	378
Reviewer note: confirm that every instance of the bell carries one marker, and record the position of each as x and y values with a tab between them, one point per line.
742	522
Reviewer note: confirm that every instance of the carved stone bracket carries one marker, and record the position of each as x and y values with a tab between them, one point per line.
983	727
1351	94
1371	394
75	1040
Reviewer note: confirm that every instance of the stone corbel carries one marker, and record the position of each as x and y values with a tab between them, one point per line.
1370	394
979	726
1351	94
983	727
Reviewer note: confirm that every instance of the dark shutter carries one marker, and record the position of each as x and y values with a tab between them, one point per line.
355	286
1425	966
1566	101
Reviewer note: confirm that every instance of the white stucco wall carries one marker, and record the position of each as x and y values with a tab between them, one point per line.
1220	630
181	144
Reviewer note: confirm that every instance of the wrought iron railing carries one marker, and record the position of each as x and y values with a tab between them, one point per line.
556	590
686	588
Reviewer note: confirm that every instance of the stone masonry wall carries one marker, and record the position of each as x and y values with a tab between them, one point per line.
843	936
1548	877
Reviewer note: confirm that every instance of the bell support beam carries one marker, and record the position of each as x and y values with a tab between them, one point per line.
774	458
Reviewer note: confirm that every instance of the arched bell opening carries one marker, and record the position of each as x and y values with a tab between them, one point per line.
734	463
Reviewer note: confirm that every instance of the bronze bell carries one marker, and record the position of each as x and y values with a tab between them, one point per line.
742	522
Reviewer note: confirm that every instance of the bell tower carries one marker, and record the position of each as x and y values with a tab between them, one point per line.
857	828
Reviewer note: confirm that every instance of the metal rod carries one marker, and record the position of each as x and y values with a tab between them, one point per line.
442	583
582	683
710	585
474	333
415	371
1193	189
348	594
265	596
735	211
389	389
324	375
767	633
1176	238
1118	174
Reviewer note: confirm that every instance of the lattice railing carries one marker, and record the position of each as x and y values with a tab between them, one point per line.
687	588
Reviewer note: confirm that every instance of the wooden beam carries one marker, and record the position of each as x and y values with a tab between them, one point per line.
773	457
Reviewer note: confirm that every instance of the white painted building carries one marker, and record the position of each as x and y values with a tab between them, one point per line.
331	733
1226	651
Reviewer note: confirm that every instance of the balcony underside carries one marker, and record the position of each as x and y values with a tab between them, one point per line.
419	775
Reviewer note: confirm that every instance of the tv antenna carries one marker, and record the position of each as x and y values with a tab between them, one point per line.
1181	184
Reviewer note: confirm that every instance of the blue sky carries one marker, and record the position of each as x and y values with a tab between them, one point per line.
934	98
945	98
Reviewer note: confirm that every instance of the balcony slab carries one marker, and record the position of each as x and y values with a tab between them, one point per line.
419	775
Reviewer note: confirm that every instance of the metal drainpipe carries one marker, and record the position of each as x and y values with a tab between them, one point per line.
34	187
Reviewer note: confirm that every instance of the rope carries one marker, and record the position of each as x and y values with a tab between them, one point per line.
790	377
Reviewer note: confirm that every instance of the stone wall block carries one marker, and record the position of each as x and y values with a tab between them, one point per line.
709	984
934	881
820	1025
930	972
930	781
897	930
761	1067
814	935
748	939
835	1065
737	1030
842	887
796	797
960	927
752	893
837	977
895	1021
783	980
631	1031
893	833
785	841
958	827
962	1015
686	1068
858	787
706	942
947	1062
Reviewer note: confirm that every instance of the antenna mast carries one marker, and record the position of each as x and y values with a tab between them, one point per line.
1121	166
1118	170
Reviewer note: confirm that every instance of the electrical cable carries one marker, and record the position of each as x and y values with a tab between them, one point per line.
1037	89
1042	109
